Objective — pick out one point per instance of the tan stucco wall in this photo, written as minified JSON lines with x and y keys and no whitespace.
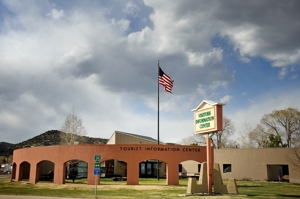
{"x":120,"y":168}
{"x":120,"y":138}
{"x":253,"y":163}
{"x":123,"y":138}
{"x":190,"y":166}
{"x":112,"y":139}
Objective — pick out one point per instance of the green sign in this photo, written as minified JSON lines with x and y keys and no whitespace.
{"x":97,"y":165}
{"x":97,"y":158}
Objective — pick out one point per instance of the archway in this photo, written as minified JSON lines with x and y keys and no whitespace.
{"x":148,"y":169}
{"x":189,"y":168}
{"x":114,"y":168}
{"x":45,"y":171}
{"x":24,"y":171}
{"x":76,"y":171}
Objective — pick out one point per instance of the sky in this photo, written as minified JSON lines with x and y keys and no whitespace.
{"x":101,"y":58}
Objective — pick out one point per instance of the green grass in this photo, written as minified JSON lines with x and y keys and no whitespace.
{"x":269,"y":189}
{"x":148,"y":188}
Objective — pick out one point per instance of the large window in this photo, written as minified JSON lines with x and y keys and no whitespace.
{"x":148,"y":169}
{"x":226,"y":168}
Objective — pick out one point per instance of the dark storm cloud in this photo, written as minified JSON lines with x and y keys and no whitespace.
{"x":275,"y":24}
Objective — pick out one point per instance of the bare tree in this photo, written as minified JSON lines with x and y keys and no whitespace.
{"x":72,"y":131}
{"x":281,"y":128}
{"x":294,"y":157}
{"x":191,"y":140}
{"x":221,"y":139}
{"x":247,"y":137}
{"x":283,"y":124}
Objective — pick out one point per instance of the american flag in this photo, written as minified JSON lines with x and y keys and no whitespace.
{"x":165,"y":81}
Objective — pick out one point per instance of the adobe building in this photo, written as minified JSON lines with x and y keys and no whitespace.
{"x":147,"y":168}
{"x":260,"y":164}
{"x":135,"y":156}
{"x":129,"y":155}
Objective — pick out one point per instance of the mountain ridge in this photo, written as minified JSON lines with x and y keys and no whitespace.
{"x":48,"y":138}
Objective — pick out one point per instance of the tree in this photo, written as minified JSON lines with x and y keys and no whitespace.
{"x":274,"y":141}
{"x":72,"y":131}
{"x":218,"y":140}
{"x":221,"y":138}
{"x":294,"y":157}
{"x":247,"y":137}
{"x":258,"y":138}
{"x":192,"y":140}
{"x":283,"y":124}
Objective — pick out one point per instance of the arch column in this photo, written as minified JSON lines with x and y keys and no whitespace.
{"x":59,"y":173}
{"x":132,"y":173}
{"x":18,"y":170}
{"x":33,"y":173}
{"x":91,"y":177}
{"x":172,"y":174}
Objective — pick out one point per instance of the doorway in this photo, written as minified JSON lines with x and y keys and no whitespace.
{"x":148,"y":169}
{"x":273,"y":170}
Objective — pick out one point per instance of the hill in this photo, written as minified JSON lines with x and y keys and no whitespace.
{"x":48,"y":138}
{"x":4,"y":145}
{"x":6,"y":149}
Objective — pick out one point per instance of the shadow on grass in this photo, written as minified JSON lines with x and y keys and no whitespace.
{"x":247,"y":186}
{"x":288,"y":196}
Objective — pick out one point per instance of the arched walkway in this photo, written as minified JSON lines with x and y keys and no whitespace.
{"x":132,"y":154}
{"x":24,"y":171}
{"x":45,"y":171}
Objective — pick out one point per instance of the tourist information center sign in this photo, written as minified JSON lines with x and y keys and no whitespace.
{"x":208,"y":117}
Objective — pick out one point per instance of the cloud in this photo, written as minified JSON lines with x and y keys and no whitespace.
{"x":131,"y":8}
{"x":283,"y":72}
{"x":267,"y":29}
{"x":56,"y":14}
{"x":272,"y":100}
{"x":226,"y":99}
{"x":101,"y":59}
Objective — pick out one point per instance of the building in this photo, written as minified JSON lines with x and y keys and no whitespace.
{"x":147,"y":168}
{"x":260,"y":164}
{"x":136,"y":156}
{"x":256,"y":164}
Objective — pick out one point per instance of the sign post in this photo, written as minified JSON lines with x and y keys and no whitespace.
{"x":97,"y":158}
{"x":208,"y":118}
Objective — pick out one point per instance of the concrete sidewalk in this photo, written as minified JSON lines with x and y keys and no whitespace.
{"x":32,"y":197}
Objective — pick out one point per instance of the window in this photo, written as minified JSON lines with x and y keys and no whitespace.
{"x":226,"y":168}
{"x":199,"y":167}
{"x":180,"y":167}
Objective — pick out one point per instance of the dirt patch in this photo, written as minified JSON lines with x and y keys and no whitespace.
{"x":105,"y":187}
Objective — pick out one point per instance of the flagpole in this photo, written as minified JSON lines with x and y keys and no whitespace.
{"x":157,"y":115}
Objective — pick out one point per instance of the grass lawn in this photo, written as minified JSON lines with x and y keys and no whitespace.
{"x":148,"y":188}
